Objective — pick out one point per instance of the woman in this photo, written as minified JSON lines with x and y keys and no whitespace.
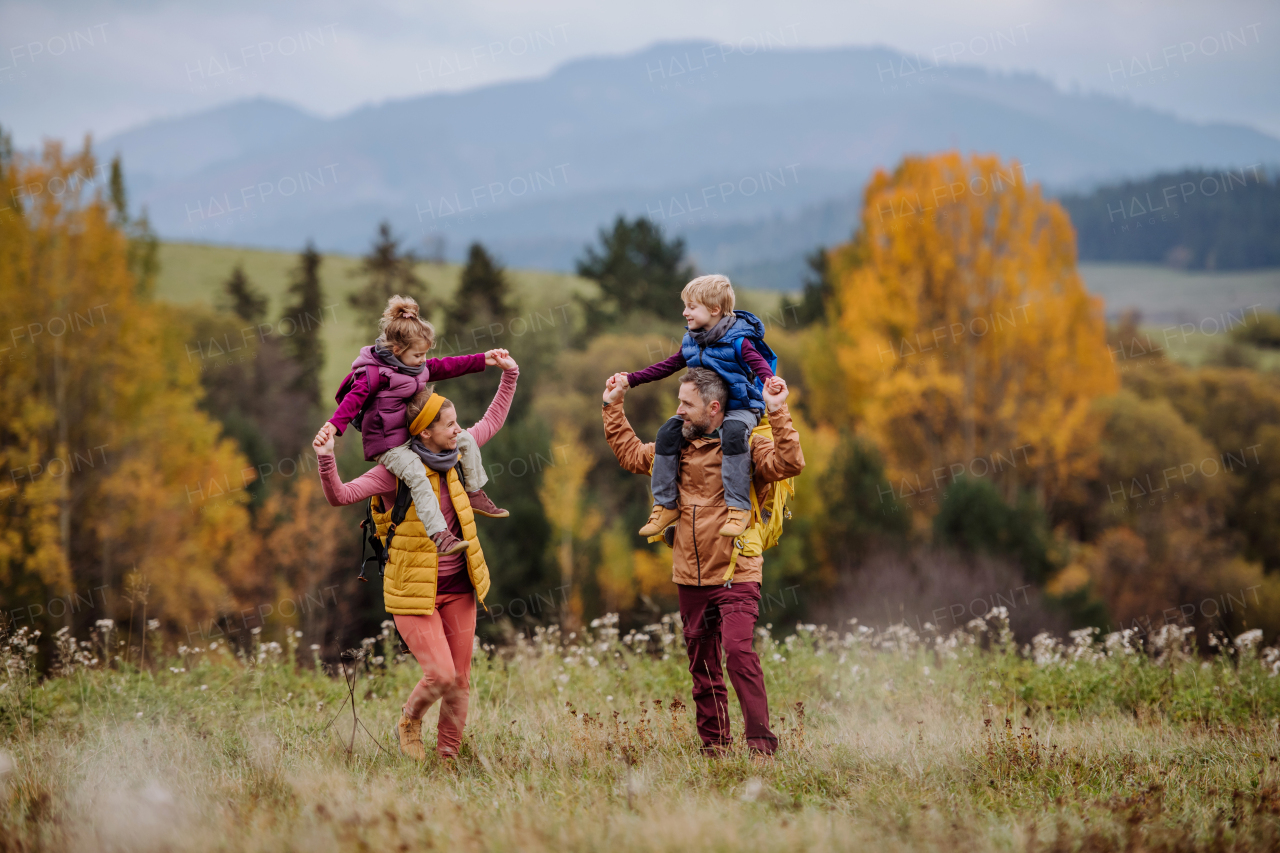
{"x":432,"y":597}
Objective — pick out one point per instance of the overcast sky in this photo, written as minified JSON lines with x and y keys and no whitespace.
{"x":73,"y":67}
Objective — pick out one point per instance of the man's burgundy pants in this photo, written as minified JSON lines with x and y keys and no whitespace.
{"x":715,"y":618}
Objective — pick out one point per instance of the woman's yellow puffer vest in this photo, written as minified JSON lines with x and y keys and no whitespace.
{"x":409,"y":586}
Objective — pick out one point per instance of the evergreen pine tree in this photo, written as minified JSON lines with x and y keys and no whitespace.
{"x":482,"y":297}
{"x":638,"y":270}
{"x":481,"y":304}
{"x":241,"y":298}
{"x":306,"y":313}
{"x":119,"y":198}
{"x":389,"y":271}
{"x":812,"y":307}
{"x":144,"y":246}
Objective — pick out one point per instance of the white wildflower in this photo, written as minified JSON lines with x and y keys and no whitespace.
{"x":1249,"y":639}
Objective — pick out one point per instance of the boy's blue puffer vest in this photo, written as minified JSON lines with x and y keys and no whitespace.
{"x":725,"y":358}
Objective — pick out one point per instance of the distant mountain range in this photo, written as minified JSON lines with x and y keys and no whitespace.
{"x":754,"y":159}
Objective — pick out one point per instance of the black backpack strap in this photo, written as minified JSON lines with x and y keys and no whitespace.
{"x":369,"y":537}
{"x":462,"y":477}
{"x":404,"y":499}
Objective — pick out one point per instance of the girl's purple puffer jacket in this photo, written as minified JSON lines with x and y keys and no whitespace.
{"x":385,"y":424}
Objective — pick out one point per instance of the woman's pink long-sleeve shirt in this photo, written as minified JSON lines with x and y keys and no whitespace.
{"x":380,"y":481}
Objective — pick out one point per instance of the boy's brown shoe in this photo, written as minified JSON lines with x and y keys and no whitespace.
{"x":659,"y":520}
{"x":409,"y":734}
{"x":447,"y":543}
{"x":481,"y":505}
{"x":737,"y":522}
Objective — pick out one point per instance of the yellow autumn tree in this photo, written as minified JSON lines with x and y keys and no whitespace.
{"x":101,"y":436}
{"x":964,"y":337}
{"x":299,"y":542}
{"x":563,"y":496}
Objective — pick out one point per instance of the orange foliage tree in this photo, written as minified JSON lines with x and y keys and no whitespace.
{"x":964,"y":337}
{"x":101,"y":438}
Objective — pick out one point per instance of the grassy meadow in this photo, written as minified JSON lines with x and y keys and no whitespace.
{"x":586,"y":742}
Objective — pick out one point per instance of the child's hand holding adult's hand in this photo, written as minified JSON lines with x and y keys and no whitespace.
{"x":323,"y":442}
{"x":776,"y":393}
{"x":491,"y":357}
{"x":614,"y":390}
{"x":505,"y":361}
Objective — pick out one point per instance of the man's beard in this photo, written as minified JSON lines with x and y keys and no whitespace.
{"x":693,"y":429}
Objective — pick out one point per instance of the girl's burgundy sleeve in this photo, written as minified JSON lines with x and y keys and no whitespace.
{"x":661,"y":370}
{"x":351,"y":403}
{"x":756,"y":361}
{"x":454,"y":365}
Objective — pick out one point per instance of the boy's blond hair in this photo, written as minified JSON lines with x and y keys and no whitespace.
{"x":712,"y":291}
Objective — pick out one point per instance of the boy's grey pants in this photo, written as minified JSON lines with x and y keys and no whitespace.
{"x":735,"y":467}
{"x":408,"y":466}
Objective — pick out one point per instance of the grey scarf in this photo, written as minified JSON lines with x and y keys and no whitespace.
{"x":707,"y":337}
{"x":438,"y":462}
{"x":388,"y":358}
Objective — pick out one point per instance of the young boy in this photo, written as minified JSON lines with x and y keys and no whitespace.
{"x":732,"y":344}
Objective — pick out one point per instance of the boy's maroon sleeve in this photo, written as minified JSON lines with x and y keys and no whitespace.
{"x":756,"y":361}
{"x":351,"y":403}
{"x":661,"y":370}
{"x":454,"y":365}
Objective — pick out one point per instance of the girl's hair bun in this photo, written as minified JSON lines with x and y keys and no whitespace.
{"x":401,"y":306}
{"x":401,"y":324}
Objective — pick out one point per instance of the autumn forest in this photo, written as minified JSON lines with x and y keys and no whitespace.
{"x":977,"y":433}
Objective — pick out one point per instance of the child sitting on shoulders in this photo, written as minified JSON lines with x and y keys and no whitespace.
{"x":732,"y":344}
{"x":375,"y":395}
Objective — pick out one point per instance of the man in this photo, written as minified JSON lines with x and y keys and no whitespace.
{"x":716,"y":614}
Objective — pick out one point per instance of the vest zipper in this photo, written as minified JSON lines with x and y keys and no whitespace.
{"x":696,"y":559}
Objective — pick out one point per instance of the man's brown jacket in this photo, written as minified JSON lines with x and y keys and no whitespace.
{"x":701,"y":553}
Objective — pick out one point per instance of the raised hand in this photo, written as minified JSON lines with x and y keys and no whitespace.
{"x":324,"y":442}
{"x":615,"y":389}
{"x":776,"y":393}
{"x":491,"y":358}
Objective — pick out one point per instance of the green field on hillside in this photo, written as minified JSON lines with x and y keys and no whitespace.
{"x":1167,"y":298}
{"x":1186,"y":316}
{"x":196,"y":273}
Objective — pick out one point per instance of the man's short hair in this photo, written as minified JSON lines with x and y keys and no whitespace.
{"x":708,"y":384}
{"x":712,"y":291}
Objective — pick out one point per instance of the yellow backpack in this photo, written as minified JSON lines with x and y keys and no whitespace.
{"x":766,"y":521}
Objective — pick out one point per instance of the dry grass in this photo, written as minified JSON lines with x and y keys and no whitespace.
{"x":892,"y":741}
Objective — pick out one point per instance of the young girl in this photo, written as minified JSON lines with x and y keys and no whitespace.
{"x":393,"y":370}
